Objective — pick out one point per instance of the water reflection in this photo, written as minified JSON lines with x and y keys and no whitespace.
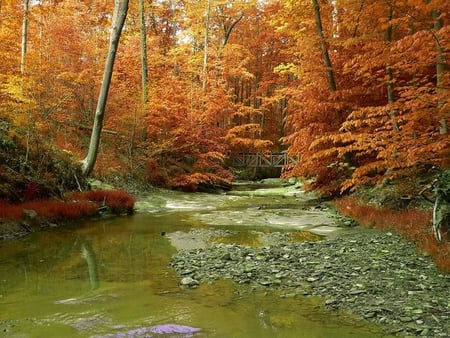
{"x":88,"y":254}
{"x":121,"y":282}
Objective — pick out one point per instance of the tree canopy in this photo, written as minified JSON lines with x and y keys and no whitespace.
{"x":358,"y":89}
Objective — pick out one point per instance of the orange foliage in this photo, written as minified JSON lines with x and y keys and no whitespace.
{"x":265,"y":87}
{"x":414,"y":225}
{"x":356,"y":135}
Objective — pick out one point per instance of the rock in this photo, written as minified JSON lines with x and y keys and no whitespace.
{"x":29,"y":214}
{"x":374,"y":274}
{"x":99,"y":185}
{"x":189,"y":282}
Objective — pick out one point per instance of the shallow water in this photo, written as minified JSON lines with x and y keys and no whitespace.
{"x":107,"y":277}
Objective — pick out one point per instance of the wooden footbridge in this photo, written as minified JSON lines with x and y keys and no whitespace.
{"x":262,"y":160}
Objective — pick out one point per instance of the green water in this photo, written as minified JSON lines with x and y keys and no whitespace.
{"x":110,"y":276}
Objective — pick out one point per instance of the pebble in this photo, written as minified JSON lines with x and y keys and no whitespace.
{"x":376,"y":275}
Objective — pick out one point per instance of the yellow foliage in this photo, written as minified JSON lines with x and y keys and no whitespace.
{"x":286,"y":69}
{"x":17,"y":88}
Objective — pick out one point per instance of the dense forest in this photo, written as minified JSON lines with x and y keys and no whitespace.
{"x":359,"y":90}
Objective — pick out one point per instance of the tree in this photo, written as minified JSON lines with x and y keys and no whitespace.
{"x":143,"y":52}
{"x":121,"y":11}
{"x":205,"y":45}
{"x":26,"y":5}
{"x":323,"y":46}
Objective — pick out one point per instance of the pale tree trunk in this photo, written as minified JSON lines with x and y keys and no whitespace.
{"x":389,"y":76}
{"x":144,"y":80}
{"x":26,"y":9}
{"x":89,"y":255}
{"x":172,"y":19}
{"x":323,"y":45}
{"x":205,"y":45}
{"x":143,"y":52}
{"x":440,"y":66}
{"x":119,"y":19}
{"x":335,"y":18}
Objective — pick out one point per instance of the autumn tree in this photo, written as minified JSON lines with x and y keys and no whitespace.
{"x":120,"y":14}
{"x":383,"y":120}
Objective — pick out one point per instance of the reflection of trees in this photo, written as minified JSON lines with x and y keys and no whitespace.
{"x":54,"y":258}
{"x":89,"y":255}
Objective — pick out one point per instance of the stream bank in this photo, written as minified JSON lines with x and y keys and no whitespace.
{"x":375,"y":275}
{"x":258,"y":247}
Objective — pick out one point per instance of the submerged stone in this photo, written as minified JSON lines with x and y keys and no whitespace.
{"x":190,"y":282}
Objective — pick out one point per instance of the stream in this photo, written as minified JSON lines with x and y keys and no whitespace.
{"x":112,"y":277}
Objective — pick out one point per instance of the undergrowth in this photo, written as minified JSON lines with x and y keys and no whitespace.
{"x":75,"y":206}
{"x":413,"y":224}
{"x":117,"y":201}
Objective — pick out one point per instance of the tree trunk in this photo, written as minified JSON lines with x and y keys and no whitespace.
{"x":440,"y":67}
{"x":335,"y":18}
{"x":26,"y":5}
{"x":389,"y":76}
{"x":205,"y":46}
{"x":89,"y":255}
{"x":118,"y":23}
{"x":143,"y":52}
{"x":0,"y":13}
{"x":323,"y":45}
{"x":355,"y":29}
{"x":228,"y":29}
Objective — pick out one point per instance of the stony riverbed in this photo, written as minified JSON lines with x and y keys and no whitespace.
{"x":374,"y":275}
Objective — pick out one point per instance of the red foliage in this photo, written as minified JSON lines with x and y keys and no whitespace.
{"x":53,"y":210}
{"x":414,"y":225}
{"x":78,"y":205}
{"x":388,"y":112}
{"x":116,"y":200}
{"x":10,"y":211}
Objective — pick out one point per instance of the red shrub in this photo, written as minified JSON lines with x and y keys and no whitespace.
{"x":10,"y":211}
{"x":117,"y":200}
{"x":53,"y":210}
{"x":413,"y":224}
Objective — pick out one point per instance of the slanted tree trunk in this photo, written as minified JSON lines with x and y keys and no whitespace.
{"x":323,"y":45}
{"x":228,"y":29}
{"x":88,"y":163}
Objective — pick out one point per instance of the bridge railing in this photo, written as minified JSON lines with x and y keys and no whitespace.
{"x":261,"y":160}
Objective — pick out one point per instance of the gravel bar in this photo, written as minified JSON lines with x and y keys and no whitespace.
{"x":375,"y":275}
